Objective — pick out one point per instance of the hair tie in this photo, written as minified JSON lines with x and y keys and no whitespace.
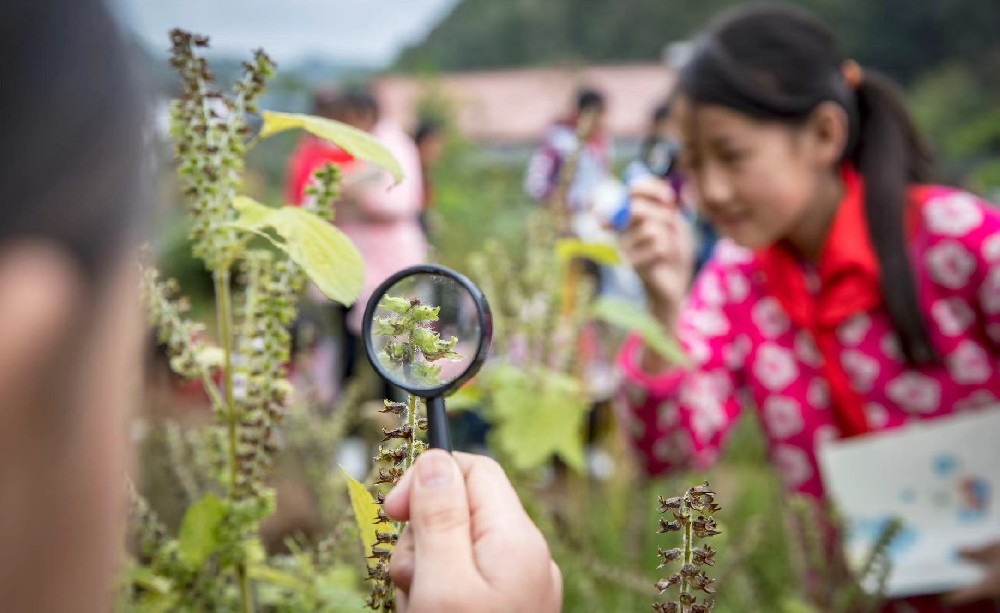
{"x":853,"y":74}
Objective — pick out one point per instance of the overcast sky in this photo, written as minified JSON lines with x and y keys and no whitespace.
{"x":365,"y":31}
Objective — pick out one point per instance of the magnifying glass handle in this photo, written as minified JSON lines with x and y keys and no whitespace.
{"x":438,"y":432}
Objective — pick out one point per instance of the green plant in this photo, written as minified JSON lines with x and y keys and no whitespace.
{"x":412,"y":347}
{"x":259,"y":258}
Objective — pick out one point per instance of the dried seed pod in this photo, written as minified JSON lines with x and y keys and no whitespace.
{"x":668,"y":555}
{"x":669,"y":503}
{"x":396,"y":408}
{"x":665,"y":584}
{"x":704,"y":527}
{"x":403,"y":432}
{"x":703,"y":556}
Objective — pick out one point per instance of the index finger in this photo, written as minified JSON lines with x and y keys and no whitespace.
{"x":489,"y":491}
{"x":653,"y":189}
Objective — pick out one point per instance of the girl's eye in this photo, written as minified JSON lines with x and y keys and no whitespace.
{"x":732,"y":156}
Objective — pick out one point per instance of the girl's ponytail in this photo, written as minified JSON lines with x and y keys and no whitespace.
{"x":889,"y":154}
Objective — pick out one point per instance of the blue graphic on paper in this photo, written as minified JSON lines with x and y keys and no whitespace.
{"x":945,"y":465}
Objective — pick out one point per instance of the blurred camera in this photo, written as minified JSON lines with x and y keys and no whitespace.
{"x":660,"y":156}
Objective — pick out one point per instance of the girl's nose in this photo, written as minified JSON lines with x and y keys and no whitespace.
{"x":714,"y":188}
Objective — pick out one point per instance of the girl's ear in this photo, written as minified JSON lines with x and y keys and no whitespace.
{"x":39,"y":290}
{"x":827,"y":130}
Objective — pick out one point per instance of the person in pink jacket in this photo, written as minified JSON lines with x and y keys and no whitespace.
{"x":383,"y":218}
{"x":849,"y":295}
{"x":380,"y":217}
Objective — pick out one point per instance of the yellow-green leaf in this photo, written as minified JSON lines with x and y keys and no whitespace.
{"x":358,"y":143}
{"x":365,"y":514}
{"x":468,"y":397}
{"x":602,"y":253}
{"x":147,"y":579}
{"x":274,"y":576}
{"x":325,"y":253}
{"x":198,"y":538}
{"x":629,"y":317}
{"x":537,"y":415}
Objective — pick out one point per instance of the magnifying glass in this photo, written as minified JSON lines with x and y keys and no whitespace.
{"x":427,"y":330}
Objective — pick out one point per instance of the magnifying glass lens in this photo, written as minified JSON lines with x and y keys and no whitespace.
{"x":425,"y":331}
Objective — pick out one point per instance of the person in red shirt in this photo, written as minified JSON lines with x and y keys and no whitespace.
{"x":356,"y":108}
{"x":380,"y":216}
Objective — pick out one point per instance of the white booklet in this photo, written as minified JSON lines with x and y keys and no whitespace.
{"x":941,"y":478}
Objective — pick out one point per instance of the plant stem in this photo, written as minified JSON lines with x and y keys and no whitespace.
{"x":241,"y":573}
{"x":688,"y":538}
{"x":224,"y":310}
{"x":411,"y":420}
{"x":224,"y":313}
{"x":218,"y":404}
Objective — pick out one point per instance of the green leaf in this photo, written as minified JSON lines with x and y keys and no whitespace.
{"x":358,"y":143}
{"x":198,"y":537}
{"x":625,"y":315}
{"x":325,"y":253}
{"x":365,"y":513}
{"x":147,"y":579}
{"x":153,"y":602}
{"x":538,"y":415}
{"x":602,"y":253}
{"x":468,"y":397}
{"x":274,"y":576}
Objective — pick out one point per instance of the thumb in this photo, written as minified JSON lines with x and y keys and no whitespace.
{"x":439,"y":517}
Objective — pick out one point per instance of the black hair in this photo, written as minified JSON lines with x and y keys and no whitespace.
{"x":335,"y":102}
{"x":426,"y":129}
{"x":589,"y":99}
{"x":360,"y":99}
{"x":778,"y":63}
{"x":71,"y":156}
{"x":661,"y":112}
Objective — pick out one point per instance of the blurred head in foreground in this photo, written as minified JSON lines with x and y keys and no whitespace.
{"x":71,"y":161}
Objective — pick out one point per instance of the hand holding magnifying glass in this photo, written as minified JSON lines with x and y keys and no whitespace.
{"x":427,"y":330}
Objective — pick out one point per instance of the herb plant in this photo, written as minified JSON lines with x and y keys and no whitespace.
{"x":260,"y":259}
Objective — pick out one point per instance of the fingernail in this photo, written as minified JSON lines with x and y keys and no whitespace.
{"x":435,"y":469}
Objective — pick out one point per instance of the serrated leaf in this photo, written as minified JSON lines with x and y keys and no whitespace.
{"x":198,"y":538}
{"x":538,"y":415}
{"x":602,"y":253}
{"x":357,"y":142}
{"x":325,"y":253}
{"x":365,"y":513}
{"x":629,"y":317}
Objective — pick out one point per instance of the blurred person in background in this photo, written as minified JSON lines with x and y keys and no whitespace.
{"x":72,"y":189}
{"x":430,"y":140}
{"x":381,"y":219}
{"x":355,"y":107}
{"x":560,"y":143}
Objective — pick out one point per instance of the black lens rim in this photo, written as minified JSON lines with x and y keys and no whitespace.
{"x":485,"y":321}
